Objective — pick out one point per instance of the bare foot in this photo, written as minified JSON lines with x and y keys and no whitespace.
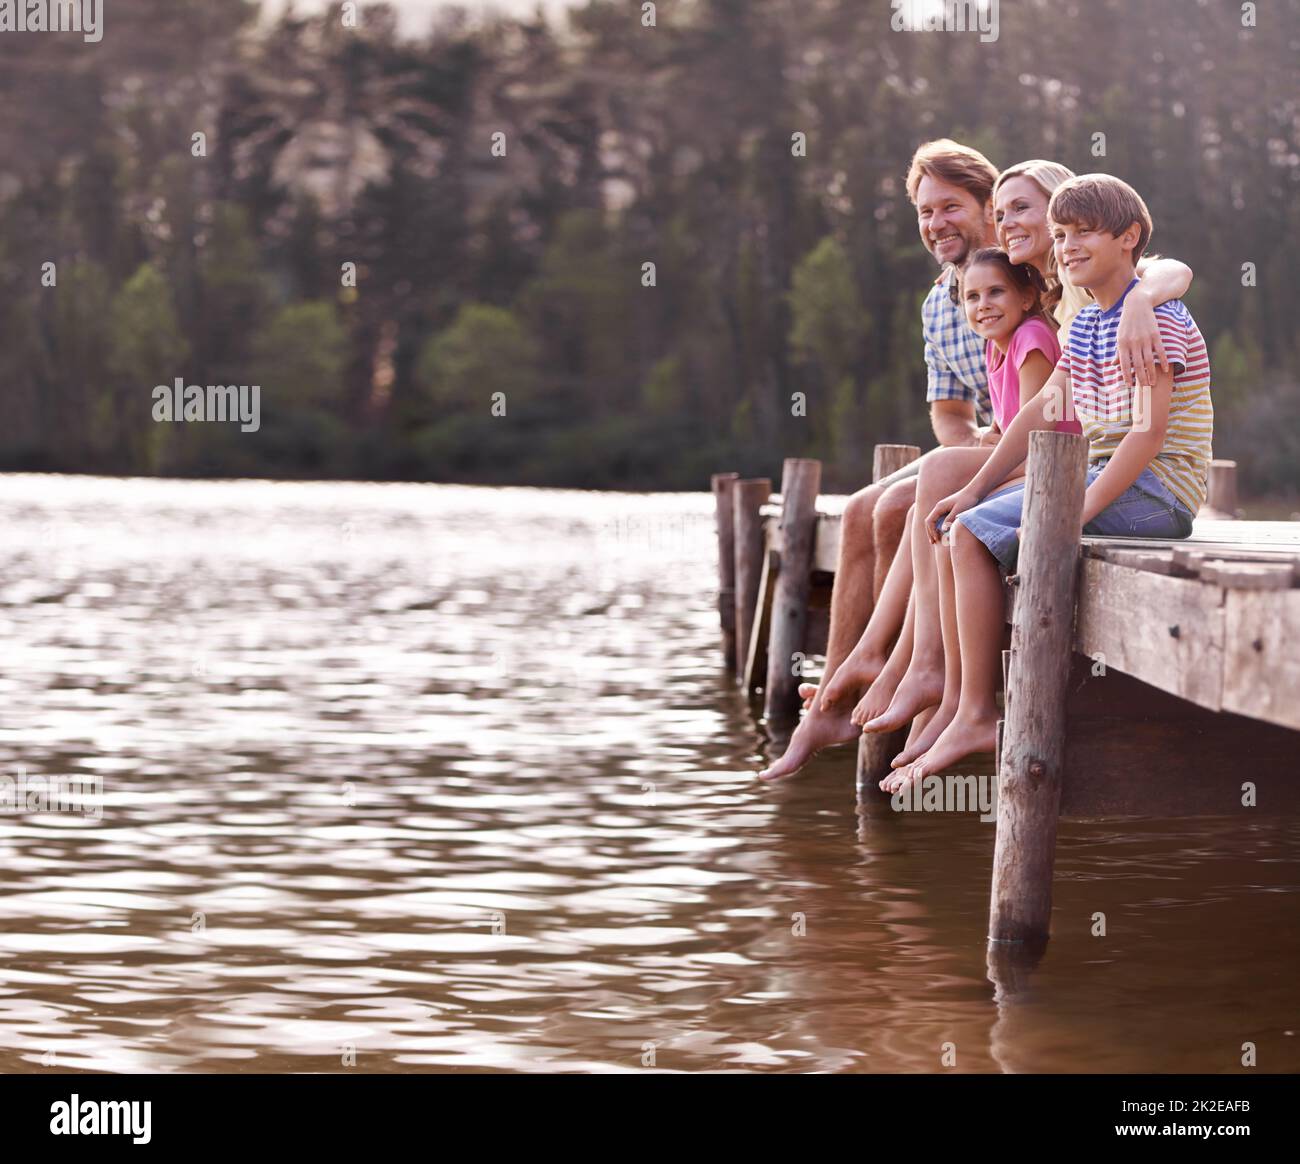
{"x":920,"y":688}
{"x":816,"y":730}
{"x":922,"y":738}
{"x":853,"y":676}
{"x":877,"y":696}
{"x":963,"y":737}
{"x":807,"y":692}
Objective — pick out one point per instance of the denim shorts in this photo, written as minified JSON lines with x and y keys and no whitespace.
{"x":1146,"y":509}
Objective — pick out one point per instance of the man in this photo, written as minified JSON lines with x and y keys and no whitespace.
{"x":951,"y":187}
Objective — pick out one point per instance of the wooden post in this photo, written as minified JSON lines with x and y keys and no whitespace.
{"x":1033,"y":739}
{"x":800,"y":482}
{"x":724,"y":515}
{"x":890,"y":458}
{"x":755,"y":673}
{"x":876,"y":749}
{"x":1222,"y":493}
{"x":748,"y":497}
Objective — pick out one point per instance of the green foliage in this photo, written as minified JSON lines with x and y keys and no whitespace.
{"x":146,"y":348}
{"x":78,"y":341}
{"x":300,"y":357}
{"x":664,"y":392}
{"x":146,"y":339}
{"x":829,"y":326}
{"x":233,"y":291}
{"x":485,"y":351}
{"x":521,"y":272}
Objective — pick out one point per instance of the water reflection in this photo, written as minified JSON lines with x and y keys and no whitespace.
{"x":432,"y":778}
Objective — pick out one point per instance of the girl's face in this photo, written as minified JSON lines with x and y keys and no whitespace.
{"x":1020,"y":217}
{"x":994,"y":306}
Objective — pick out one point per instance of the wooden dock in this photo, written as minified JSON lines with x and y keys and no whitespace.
{"x":1172,"y":690}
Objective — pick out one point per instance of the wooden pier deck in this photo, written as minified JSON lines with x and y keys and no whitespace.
{"x":1218,"y":593}
{"x":1176,"y":683}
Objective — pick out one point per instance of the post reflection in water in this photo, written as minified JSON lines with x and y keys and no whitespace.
{"x":433,"y":778}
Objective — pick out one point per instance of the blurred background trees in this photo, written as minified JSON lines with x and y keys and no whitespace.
{"x":501,"y":188}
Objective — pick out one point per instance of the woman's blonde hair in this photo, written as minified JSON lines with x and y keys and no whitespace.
{"x":1063,"y":299}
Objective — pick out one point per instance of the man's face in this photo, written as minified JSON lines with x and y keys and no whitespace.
{"x":951,"y":220}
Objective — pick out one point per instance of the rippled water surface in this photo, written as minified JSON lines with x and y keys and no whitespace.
{"x":435,"y":778}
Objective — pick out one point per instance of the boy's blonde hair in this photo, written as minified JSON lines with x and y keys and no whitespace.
{"x":951,"y":162}
{"x":1063,"y":299}
{"x":1102,"y":202}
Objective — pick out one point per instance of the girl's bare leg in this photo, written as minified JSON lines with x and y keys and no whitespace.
{"x":881,"y":691}
{"x":921,"y":741}
{"x":943,"y":472}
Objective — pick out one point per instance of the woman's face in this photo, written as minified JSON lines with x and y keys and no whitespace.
{"x":1020,"y":217}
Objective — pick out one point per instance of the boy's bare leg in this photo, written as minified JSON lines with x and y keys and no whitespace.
{"x":925,"y":739}
{"x":851,"y":606}
{"x":945,"y":471}
{"x":979,"y":629}
{"x":869,"y":655}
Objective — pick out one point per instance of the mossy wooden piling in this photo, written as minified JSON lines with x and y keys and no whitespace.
{"x":724,"y":509}
{"x":877,"y":749}
{"x":797,"y":529}
{"x":1033,"y":735}
{"x":749,"y":497}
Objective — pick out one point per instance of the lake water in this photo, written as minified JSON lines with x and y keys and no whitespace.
{"x":417,"y":778}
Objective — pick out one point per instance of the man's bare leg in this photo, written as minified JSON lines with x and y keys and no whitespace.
{"x":923,"y":685}
{"x":892,"y":513}
{"x":851,"y":606}
{"x":868,"y":659}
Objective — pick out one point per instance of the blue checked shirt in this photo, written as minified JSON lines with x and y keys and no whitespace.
{"x":954,"y":355}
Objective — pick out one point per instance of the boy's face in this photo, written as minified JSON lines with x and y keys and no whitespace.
{"x":951,"y":220}
{"x":1089,"y":257}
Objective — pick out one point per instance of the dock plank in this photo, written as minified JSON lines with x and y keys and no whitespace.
{"x":1249,"y":575}
{"x":826,"y":545}
{"x":1261,"y":665}
{"x":1168,"y":632}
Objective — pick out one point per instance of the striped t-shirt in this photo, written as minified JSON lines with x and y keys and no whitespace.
{"x":1105,"y":406}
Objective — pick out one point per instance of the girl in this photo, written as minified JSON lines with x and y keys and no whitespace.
{"x":1005,"y":306}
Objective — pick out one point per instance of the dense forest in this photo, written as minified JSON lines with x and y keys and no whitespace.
{"x":434,"y":255}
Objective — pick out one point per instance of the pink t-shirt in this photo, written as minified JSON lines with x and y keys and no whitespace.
{"x":1033,"y":335}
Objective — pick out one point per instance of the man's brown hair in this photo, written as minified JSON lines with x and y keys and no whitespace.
{"x":1101,"y":202}
{"x":948,"y":161}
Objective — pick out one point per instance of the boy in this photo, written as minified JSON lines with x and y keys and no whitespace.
{"x":1148,"y":451}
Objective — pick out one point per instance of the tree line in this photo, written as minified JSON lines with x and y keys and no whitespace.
{"x":602,"y":254}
